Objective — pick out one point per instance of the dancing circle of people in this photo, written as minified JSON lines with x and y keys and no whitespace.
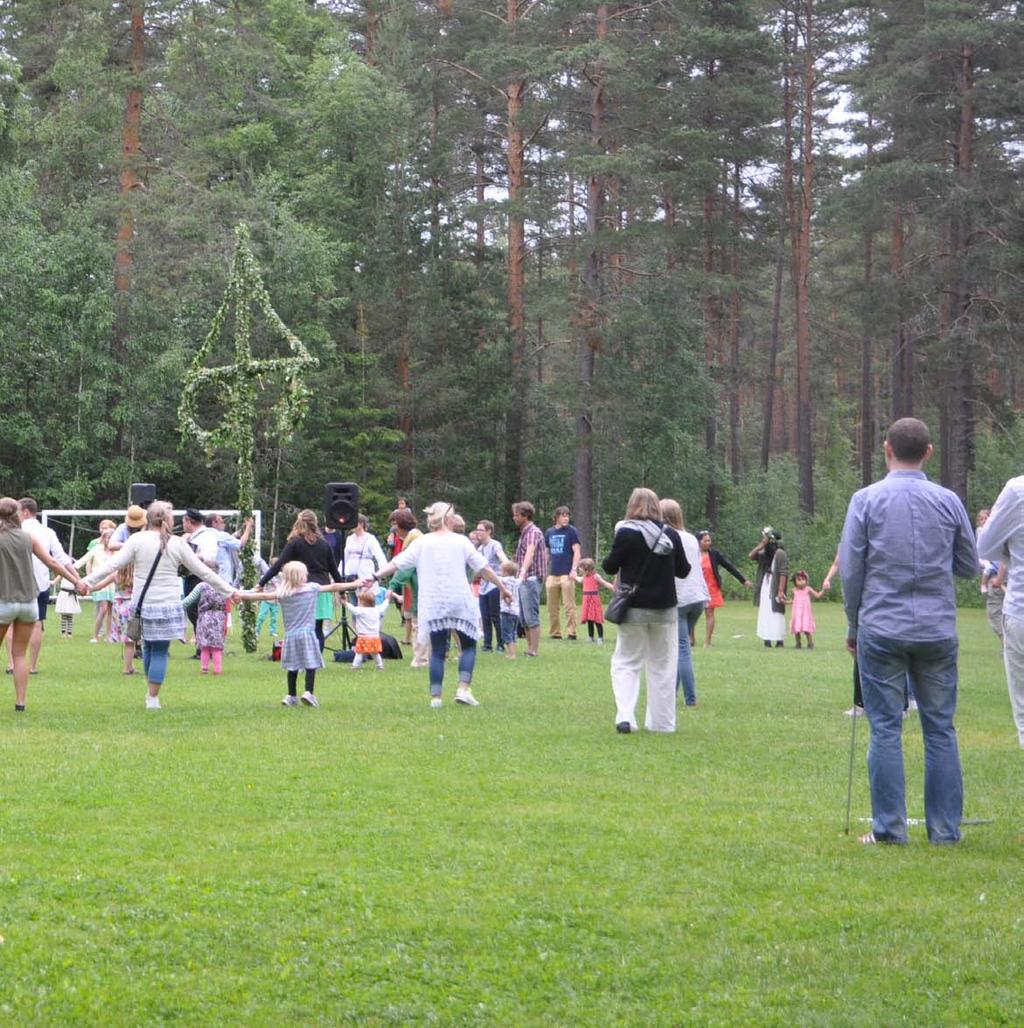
{"x":455,"y":589}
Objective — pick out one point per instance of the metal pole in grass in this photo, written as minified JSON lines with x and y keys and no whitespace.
{"x":853,"y":741}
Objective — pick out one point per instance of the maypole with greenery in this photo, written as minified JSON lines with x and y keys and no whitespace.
{"x":237,"y":386}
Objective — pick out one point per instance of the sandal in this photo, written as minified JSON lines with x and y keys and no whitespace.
{"x":130,"y":671}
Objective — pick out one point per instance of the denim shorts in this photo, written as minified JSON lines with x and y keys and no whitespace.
{"x":529,"y":602}
{"x":10,"y":612}
{"x":509,"y":628}
{"x":44,"y":605}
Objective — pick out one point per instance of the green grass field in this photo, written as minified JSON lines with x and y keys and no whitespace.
{"x":229,"y":861}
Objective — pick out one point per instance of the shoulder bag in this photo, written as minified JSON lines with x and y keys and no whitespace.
{"x":618,"y":605}
{"x":133,"y":627}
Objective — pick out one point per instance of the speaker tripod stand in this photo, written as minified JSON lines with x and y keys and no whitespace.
{"x":347,"y":637}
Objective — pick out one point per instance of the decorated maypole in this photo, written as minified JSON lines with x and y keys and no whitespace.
{"x":235,"y":388}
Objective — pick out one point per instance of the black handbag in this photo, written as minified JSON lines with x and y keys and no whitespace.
{"x":618,"y":605}
{"x":133,"y":626}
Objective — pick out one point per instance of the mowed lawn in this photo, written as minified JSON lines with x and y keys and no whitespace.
{"x":230,"y":861}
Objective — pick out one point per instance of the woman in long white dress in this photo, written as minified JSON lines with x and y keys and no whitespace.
{"x":770,"y":587}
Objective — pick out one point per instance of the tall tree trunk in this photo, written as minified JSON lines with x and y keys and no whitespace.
{"x":804,"y":442}
{"x":514,"y":158}
{"x":902,"y":352}
{"x":787,"y":431}
{"x":480,"y":182}
{"x":129,"y":182}
{"x":867,"y":361}
{"x":771,"y":385}
{"x":589,"y":316}
{"x":961,"y":392}
{"x":709,"y":305}
{"x":734,"y":332}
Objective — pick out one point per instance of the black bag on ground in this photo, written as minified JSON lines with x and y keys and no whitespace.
{"x":390,"y":650}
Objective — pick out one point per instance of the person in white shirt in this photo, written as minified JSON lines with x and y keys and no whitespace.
{"x":445,"y":600}
{"x":213,"y":542}
{"x":156,"y":555}
{"x":1002,"y":534}
{"x":27,"y":511}
{"x":363,"y":555}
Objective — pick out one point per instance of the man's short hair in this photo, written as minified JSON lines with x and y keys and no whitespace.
{"x":488,"y":525}
{"x":524,"y":509}
{"x":27,"y":503}
{"x":909,"y":439}
{"x":559,"y":511}
{"x":210,"y":519}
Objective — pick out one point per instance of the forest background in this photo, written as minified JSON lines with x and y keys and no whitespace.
{"x":541,"y":249}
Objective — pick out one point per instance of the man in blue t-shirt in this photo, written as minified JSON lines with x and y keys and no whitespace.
{"x":564,"y":547}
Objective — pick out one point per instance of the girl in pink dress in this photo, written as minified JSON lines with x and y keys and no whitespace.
{"x":801,"y":617}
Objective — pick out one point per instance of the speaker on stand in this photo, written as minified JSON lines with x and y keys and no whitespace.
{"x":341,"y":511}
{"x":142,"y":494}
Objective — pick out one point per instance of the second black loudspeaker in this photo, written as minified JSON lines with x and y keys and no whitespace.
{"x":341,"y":505}
{"x":142,"y":493}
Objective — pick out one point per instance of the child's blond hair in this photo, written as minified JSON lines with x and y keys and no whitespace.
{"x":509,"y":567}
{"x":294,"y":576}
{"x":586,"y":566}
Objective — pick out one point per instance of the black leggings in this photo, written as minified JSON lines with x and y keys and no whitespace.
{"x":293,"y":681}
{"x":319,"y":630}
{"x":591,"y":625}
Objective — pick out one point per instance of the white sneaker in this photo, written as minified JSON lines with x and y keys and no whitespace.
{"x":466,"y":698}
{"x":435,"y":701}
{"x":290,"y":701}
{"x":152,"y":703}
{"x":854,"y":712}
{"x":309,"y":699}
{"x":93,"y":640}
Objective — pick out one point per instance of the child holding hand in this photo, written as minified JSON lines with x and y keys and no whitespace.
{"x":592,"y":613}
{"x":301,"y":650}
{"x":211,"y":624}
{"x":801,"y":617}
{"x":508,"y":613}
{"x":366,"y":619}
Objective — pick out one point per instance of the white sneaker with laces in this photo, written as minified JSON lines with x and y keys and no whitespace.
{"x":290,"y":701}
{"x":435,"y":701}
{"x":466,"y":697}
{"x":309,"y":699}
{"x":152,"y":703}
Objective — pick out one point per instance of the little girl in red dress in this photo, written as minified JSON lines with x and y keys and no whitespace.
{"x":801,"y":617}
{"x":592,"y":613}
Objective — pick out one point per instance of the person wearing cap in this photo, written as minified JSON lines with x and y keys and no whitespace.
{"x":445,"y":601}
{"x":134,"y":520}
{"x":770,"y":587}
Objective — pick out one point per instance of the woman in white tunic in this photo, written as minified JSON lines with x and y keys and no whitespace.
{"x":445,"y":599}
{"x":770,"y":587}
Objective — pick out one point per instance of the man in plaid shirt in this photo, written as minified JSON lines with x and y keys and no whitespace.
{"x":532,"y":558}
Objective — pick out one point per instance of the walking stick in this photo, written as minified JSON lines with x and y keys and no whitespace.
{"x":853,"y":742}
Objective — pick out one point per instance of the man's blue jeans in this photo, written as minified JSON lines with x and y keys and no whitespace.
{"x":885,"y":667}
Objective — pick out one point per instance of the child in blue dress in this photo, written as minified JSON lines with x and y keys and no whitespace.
{"x":301,"y":650}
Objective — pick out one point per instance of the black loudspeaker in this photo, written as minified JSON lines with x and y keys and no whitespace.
{"x":341,"y":505}
{"x":142,"y":493}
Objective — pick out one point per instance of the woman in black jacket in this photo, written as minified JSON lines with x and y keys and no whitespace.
{"x":307,"y":545}
{"x":648,"y":557}
{"x":711,"y":561}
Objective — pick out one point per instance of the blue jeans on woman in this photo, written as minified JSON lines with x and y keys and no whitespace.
{"x":886,"y":664}
{"x":689,"y":615}
{"x":439,"y":647}
{"x":154,"y":660}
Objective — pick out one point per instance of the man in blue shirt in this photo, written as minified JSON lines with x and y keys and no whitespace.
{"x":563,"y":545}
{"x":903,"y":540}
